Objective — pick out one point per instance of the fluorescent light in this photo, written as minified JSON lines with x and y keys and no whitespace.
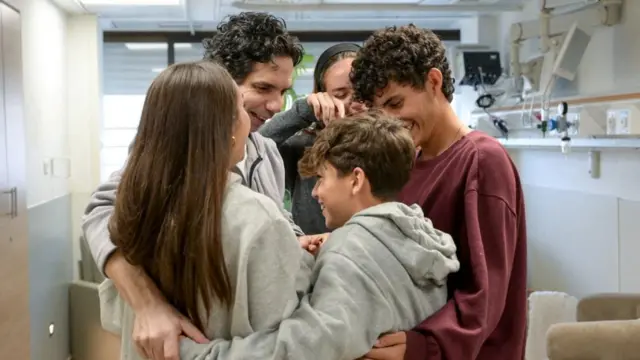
{"x":155,"y":46}
{"x":131,"y":2}
{"x":157,"y":70}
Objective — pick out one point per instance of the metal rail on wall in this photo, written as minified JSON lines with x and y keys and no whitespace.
{"x":303,"y":36}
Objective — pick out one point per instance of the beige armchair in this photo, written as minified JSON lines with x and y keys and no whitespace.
{"x":89,"y":341}
{"x":608,"y":328}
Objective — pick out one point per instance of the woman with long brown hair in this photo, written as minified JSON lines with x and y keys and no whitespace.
{"x":222,"y":254}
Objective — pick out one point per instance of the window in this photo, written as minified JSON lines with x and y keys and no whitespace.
{"x":188,"y":52}
{"x":129,"y":69}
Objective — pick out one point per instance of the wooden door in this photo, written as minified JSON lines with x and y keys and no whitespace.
{"x":14,"y":248}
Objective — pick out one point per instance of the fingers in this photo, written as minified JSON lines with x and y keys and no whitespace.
{"x":378,"y":354}
{"x":396,"y":352}
{"x":326,"y":108}
{"x":156,"y":348}
{"x":312,"y":249}
{"x":314,"y":102}
{"x":171,"y":349}
{"x":141,"y":348}
{"x":305,"y":241}
{"x":392,"y":339}
{"x":142,"y":344}
{"x":192,"y":332}
{"x":340,"y":107}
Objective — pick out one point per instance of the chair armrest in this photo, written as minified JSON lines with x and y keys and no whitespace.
{"x":88,"y":340}
{"x":604,"y":307}
{"x":598,"y":340}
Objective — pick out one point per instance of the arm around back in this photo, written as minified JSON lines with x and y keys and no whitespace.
{"x":96,"y":217}
{"x":341,"y":319}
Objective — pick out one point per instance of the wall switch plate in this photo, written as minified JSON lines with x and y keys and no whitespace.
{"x":46,"y":167}
{"x":61,"y":167}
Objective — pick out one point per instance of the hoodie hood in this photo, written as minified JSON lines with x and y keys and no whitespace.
{"x":427,"y":254}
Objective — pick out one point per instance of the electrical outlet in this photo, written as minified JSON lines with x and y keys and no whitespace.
{"x":612,"y":122}
{"x":574,"y":120}
{"x":622,"y":124}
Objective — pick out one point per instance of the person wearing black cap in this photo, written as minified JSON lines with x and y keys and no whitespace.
{"x":295,"y":129}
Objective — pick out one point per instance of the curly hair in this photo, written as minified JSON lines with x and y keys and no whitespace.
{"x":400,"y":54}
{"x":248,"y":38}
{"x":378,"y":144}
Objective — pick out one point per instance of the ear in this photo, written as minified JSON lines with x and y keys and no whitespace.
{"x":358,"y":181}
{"x":433,"y":80}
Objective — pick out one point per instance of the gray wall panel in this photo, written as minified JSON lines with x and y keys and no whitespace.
{"x":50,"y":273}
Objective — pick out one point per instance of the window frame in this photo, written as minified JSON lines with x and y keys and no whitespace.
{"x":172,"y":38}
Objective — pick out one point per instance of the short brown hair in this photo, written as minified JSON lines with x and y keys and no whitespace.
{"x":378,"y":144}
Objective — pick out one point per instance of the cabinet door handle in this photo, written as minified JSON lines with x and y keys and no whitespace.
{"x":13,"y":192}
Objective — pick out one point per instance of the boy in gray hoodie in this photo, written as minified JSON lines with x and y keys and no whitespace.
{"x":383,"y":269}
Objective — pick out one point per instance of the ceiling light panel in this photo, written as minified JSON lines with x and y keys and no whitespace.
{"x":131,"y":2}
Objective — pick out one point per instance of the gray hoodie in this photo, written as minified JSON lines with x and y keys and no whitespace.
{"x":265,"y":174}
{"x":384,"y":271}
{"x":287,"y":130}
{"x":266,"y":265}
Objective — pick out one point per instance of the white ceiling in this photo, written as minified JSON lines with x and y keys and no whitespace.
{"x":310,"y":15}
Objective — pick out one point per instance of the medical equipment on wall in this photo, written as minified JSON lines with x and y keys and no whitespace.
{"x":482,"y":69}
{"x":479,"y":68}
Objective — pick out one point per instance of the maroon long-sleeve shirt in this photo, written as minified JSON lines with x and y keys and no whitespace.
{"x":473,"y":192}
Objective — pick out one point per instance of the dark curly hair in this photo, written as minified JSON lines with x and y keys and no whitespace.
{"x":400,"y":54}
{"x":247,"y":38}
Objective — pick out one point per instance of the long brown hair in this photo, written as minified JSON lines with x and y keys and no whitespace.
{"x":169,"y":203}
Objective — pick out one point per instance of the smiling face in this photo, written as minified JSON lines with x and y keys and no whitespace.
{"x":336,"y":194}
{"x":337,"y":83}
{"x":421,"y":110}
{"x":264,"y":87}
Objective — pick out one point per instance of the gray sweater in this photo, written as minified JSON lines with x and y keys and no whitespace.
{"x":265,"y":174}
{"x":266,"y":265}
{"x":286,"y":129}
{"x":384,"y":271}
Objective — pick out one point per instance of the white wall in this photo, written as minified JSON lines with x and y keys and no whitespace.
{"x":84,"y":84}
{"x":584,"y":234}
{"x":62,"y":106}
{"x":45,"y":96}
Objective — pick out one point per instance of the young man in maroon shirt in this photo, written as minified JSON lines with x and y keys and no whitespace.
{"x":467,"y":185}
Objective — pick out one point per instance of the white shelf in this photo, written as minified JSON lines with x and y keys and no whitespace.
{"x":577,"y":143}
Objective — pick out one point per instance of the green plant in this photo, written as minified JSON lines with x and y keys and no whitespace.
{"x":290,"y":95}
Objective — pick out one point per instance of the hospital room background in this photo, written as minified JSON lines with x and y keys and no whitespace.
{"x":556,"y":81}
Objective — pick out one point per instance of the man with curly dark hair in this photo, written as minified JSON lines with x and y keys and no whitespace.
{"x":466,"y":183}
{"x":260,"y":55}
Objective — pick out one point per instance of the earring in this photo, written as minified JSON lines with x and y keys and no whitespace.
{"x":233,"y":141}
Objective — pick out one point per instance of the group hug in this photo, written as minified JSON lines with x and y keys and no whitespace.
{"x":405,"y":236}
